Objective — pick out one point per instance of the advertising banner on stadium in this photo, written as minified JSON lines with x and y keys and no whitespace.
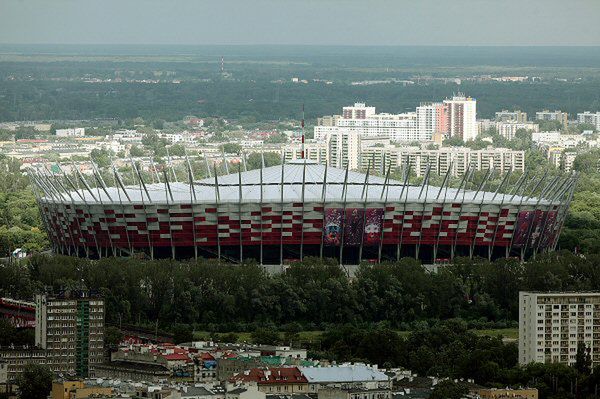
{"x":332,"y":230}
{"x":549,"y":229}
{"x":373,"y":226}
{"x":354,"y":226}
{"x":536,"y":227}
{"x":524,"y":219}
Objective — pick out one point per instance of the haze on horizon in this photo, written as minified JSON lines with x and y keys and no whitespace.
{"x":302,"y":22}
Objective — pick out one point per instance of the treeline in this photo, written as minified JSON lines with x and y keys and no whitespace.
{"x":313,"y":295}
{"x":262,"y":100}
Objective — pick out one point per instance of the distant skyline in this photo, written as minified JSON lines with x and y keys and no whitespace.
{"x":302,"y":22}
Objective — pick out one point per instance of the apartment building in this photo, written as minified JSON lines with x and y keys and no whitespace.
{"x":452,"y":117}
{"x":547,"y":115}
{"x":457,"y":159}
{"x":511,"y":116}
{"x":461,"y":117}
{"x":70,"y":328}
{"x":589,"y":118}
{"x":553,"y":325}
{"x":72,"y":132}
{"x":509,"y":129}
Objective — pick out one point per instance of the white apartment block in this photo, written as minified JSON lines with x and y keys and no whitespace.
{"x":358,"y":111}
{"x":553,"y":325}
{"x":546,"y":115}
{"x":440,"y":160}
{"x":462,"y":117}
{"x":590,"y":118}
{"x":452,"y":117}
{"x":509,"y":130}
{"x":350,"y":150}
{"x":545,"y":137}
{"x":511,"y":116}
{"x":561,"y":159}
{"x":73,"y":132}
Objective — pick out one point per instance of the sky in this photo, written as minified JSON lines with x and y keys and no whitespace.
{"x":304,"y":22}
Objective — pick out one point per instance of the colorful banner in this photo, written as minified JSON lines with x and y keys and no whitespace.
{"x":332,"y":230}
{"x":354,"y":226}
{"x":528,"y":229}
{"x":522,"y":228}
{"x":373,"y":226}
{"x":536,"y":226}
{"x":549,"y":229}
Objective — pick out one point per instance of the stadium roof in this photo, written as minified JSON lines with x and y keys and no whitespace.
{"x":293,"y":173}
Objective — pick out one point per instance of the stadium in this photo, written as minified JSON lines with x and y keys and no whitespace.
{"x":281,"y":214}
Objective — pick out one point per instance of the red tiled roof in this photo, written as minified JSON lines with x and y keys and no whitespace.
{"x":275,"y":375}
{"x":176,"y":356}
{"x":207,"y":356}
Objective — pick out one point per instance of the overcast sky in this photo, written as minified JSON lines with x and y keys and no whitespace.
{"x":332,"y":22}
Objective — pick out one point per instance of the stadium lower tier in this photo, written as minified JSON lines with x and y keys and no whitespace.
{"x":276,"y":233}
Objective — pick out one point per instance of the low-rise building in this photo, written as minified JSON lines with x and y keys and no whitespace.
{"x":78,"y":390}
{"x":506,"y":393}
{"x":71,"y":132}
{"x":281,"y":380}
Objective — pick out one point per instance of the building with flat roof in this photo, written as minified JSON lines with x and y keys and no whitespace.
{"x":511,"y":116}
{"x":70,"y":328}
{"x":547,"y":115}
{"x":553,"y":325}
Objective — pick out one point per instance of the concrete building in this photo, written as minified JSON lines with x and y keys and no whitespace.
{"x":349,"y":376}
{"x":589,"y":118}
{"x":461,"y":117}
{"x":358,"y":111}
{"x":78,"y":390}
{"x":506,"y":393}
{"x":509,"y":130}
{"x":278,"y":380}
{"x":547,"y":115}
{"x":16,"y":358}
{"x":511,"y":116}
{"x":70,"y":328}
{"x":546,"y":137}
{"x":71,"y":132}
{"x":553,"y":325}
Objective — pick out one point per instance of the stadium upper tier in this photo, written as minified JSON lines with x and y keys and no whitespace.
{"x":299,"y":182}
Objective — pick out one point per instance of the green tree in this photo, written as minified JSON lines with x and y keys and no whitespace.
{"x":265,"y":336}
{"x":35,"y":382}
{"x":448,"y":389}
{"x":583,"y":359}
{"x":231,"y":148}
{"x":182,"y":333}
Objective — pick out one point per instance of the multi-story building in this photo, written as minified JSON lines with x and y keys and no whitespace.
{"x":17,"y":358}
{"x":562,"y":158}
{"x":70,"y":328}
{"x":509,"y":130}
{"x":546,"y":115}
{"x":462,"y":118}
{"x":353,"y":152}
{"x":358,"y":111}
{"x":511,"y":116}
{"x":72,"y":132}
{"x":552,"y":326}
{"x":589,"y":118}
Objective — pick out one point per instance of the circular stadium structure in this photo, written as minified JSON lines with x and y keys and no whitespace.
{"x":281,"y":214}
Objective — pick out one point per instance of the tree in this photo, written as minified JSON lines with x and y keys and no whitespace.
{"x":265,"y":336}
{"x":177,"y":150}
{"x":583,"y":359}
{"x":454,"y":142}
{"x":182,"y":333}
{"x":112,"y":338}
{"x":35,"y":382}
{"x":448,"y":389}
{"x":136,"y":151}
{"x":231,"y":148}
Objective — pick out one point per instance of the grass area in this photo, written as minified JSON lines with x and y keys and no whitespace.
{"x":508,"y":333}
{"x":312,"y":336}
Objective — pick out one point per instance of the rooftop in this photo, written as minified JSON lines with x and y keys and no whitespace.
{"x":266,"y":183}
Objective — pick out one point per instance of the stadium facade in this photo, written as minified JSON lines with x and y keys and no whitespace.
{"x":284,"y":213}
